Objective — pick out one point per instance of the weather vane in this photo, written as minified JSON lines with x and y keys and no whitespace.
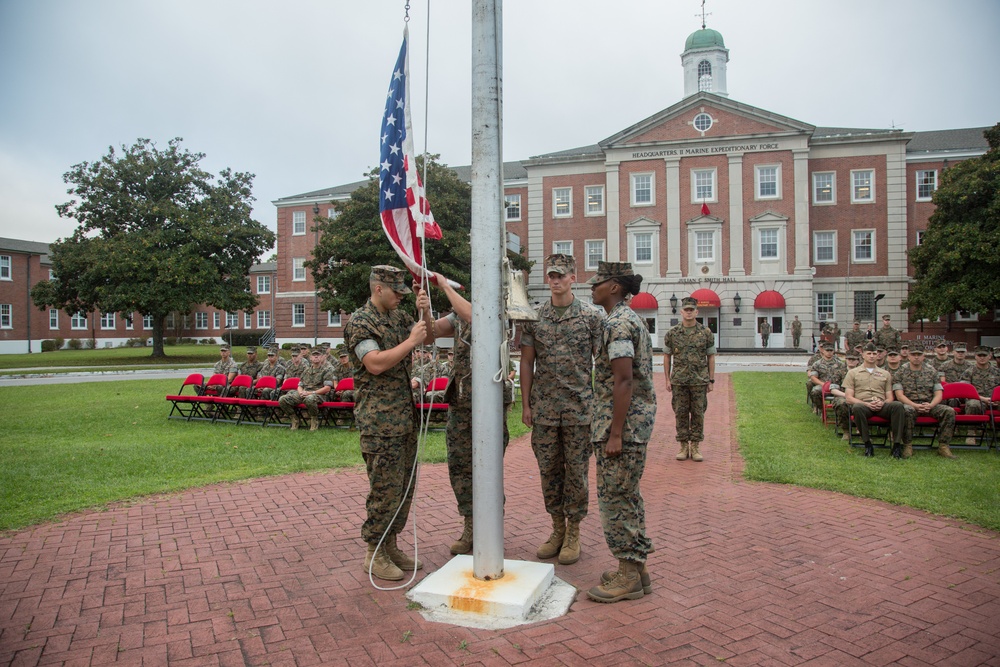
{"x":703,"y":14}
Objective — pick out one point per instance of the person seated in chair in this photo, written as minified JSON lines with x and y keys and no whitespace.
{"x":918,"y":388}
{"x":316,"y":382}
{"x":342,"y":371}
{"x":985,"y":377}
{"x":828,"y":369}
{"x":225,"y":366}
{"x":840,"y":399}
{"x":869,"y":393}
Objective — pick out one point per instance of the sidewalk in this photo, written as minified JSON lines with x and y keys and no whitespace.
{"x":269,"y":572}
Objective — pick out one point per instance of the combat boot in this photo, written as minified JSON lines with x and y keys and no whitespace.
{"x":647,"y":584}
{"x":295,"y":422}
{"x":945,"y":451}
{"x":380,"y":565}
{"x":463,"y":544}
{"x":907,"y":451}
{"x":570,"y":552}
{"x":553,"y":545}
{"x":684,"y":453}
{"x":626,"y":584}
{"x":314,"y":423}
{"x":398,"y":558}
{"x":695,"y":454}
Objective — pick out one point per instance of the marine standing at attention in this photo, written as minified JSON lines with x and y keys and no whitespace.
{"x":689,"y":365}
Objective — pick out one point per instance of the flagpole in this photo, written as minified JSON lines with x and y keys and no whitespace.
{"x":487,"y":302}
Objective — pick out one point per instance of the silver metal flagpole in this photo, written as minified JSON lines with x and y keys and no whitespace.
{"x":487,"y":301}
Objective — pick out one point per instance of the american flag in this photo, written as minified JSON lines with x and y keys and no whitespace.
{"x":401,"y":200}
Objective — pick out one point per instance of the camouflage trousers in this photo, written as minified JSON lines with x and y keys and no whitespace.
{"x":942,"y":413}
{"x":563,"y":455}
{"x":690,"y":401}
{"x":389,"y":462}
{"x":843,"y":414}
{"x":796,"y":338}
{"x":293,"y":398}
{"x":623,"y":513}
{"x":458,"y":437}
{"x":764,"y":338}
{"x":974,"y":407}
{"x":345,"y":396}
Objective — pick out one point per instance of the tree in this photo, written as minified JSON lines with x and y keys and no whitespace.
{"x":156,"y":235}
{"x":957,"y":267}
{"x":353,"y":242}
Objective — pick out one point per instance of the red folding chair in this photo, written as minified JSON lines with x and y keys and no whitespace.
{"x":187,"y":406}
{"x":275,"y":415}
{"x":339,"y":413}
{"x":212,"y":389}
{"x":978,"y":424}
{"x":253,"y":405}
{"x":435,"y":412}
{"x":227,"y":407}
{"x":827,"y":404}
{"x":994,"y":413}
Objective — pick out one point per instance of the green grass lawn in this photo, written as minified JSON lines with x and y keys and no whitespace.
{"x":177,"y":355}
{"x":782,"y":441}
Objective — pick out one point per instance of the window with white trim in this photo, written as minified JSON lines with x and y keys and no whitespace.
{"x":248,"y":320}
{"x":562,"y":202}
{"x":920,"y":236}
{"x":129,"y":322}
{"x":966,"y":316}
{"x":147,"y":322}
{"x":702,"y":185}
{"x":594,"y":196}
{"x":642,"y":243}
{"x":642,"y":190}
{"x":595,"y":253}
{"x":562,"y":247}
{"x":705,"y":76}
{"x":168,"y":321}
{"x":298,"y":223}
{"x":862,"y":186}
{"x":215,"y":320}
{"x":298,"y":268}
{"x":6,"y":316}
{"x":232,"y":320}
{"x":200,"y":320}
{"x":825,"y":187}
{"x":263,"y":319}
{"x":54,"y":318}
{"x":298,"y":314}
{"x":704,"y":247}
{"x":769,"y":243}
{"x":5,"y":267}
{"x":768,"y":179}
{"x":263,"y":284}
{"x":332,"y":319}
{"x":332,"y":213}
{"x":863,"y":245}
{"x":186,"y":320}
{"x":825,"y":247}
{"x":825,"y":306}
{"x":512,"y":207}
{"x":107,"y":320}
{"x":926,"y":184}
{"x":78,"y":322}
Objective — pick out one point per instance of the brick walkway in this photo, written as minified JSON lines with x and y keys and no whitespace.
{"x":270,"y":573}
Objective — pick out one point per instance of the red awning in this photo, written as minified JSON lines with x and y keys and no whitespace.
{"x":707,"y":297}
{"x":769,"y":299}
{"x":644,"y":301}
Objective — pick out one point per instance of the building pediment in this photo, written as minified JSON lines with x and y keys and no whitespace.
{"x":769,"y":216}
{"x":704,"y":220}
{"x":642,"y":221}
{"x":709,"y":117}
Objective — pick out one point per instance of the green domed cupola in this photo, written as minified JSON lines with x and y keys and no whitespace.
{"x":704,"y":60}
{"x":706,"y":38}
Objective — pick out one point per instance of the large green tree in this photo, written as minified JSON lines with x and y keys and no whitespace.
{"x":353,"y":242}
{"x":957,"y":267}
{"x":157,"y":234}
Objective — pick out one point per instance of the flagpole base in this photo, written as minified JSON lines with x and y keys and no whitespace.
{"x":527,"y":592}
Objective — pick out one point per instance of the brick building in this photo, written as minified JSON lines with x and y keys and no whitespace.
{"x":758,"y":215}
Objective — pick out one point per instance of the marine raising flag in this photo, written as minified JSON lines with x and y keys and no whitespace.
{"x":401,"y":200}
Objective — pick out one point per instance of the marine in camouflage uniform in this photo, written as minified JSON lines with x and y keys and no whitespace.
{"x":556,"y":362}
{"x":384,"y":413}
{"x":839,"y":403}
{"x":297,"y":365}
{"x":689,"y":364}
{"x":316,"y":382}
{"x":953,"y":369}
{"x":919,"y":390}
{"x":893,"y":363}
{"x":620,"y":437}
{"x":827,"y":369}
{"x":985,"y":377}
{"x":342,"y":371}
{"x":225,"y":366}
{"x":765,"y":333}
{"x":272,"y":369}
{"x":250,"y":367}
{"x":887,"y":337}
{"x":855,"y":337}
{"x":796,"y":331}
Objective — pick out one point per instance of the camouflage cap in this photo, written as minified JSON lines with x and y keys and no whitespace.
{"x":689,"y":302}
{"x":857,"y":321}
{"x":826,"y":345}
{"x":224,"y":347}
{"x":941,"y":343}
{"x":893,"y":353}
{"x":316,"y":350}
{"x":342,"y":351}
{"x":870,"y":347}
{"x":325,"y":346}
{"x":272,"y":352}
{"x":904,"y":346}
{"x":251,"y":349}
{"x":960,"y":347}
{"x":608,"y":270}
{"x":982,"y":349}
{"x":852,"y":357}
{"x":560,"y":263}
{"x":886,"y":317}
{"x":391,"y":277}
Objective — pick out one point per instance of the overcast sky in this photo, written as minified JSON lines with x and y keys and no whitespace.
{"x":293,"y":91}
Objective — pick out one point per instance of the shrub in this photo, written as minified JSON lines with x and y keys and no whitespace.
{"x":60,"y":342}
{"x":75,"y":344}
{"x":170,"y":340}
{"x":90,"y":344}
{"x":48,"y":346}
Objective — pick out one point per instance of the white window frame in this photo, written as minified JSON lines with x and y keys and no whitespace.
{"x":832,"y":306}
{"x":832,"y":233}
{"x":562,"y":195}
{"x":699,"y":259}
{"x":777,"y":182}
{"x":593,"y":248}
{"x":833,"y":188}
{"x":713,"y":173}
{"x":6,"y":316}
{"x":967,"y":317}
{"x":298,"y":223}
{"x":920,"y":183}
{"x":332,"y":213}
{"x":588,"y":192}
{"x":108,"y":322}
{"x":263,"y":319}
{"x":263,"y":284}
{"x":854,"y":246}
{"x":512,"y":207}
{"x":634,"y":182}
{"x":298,"y":269}
{"x":78,"y":322}
{"x":129,"y":322}
{"x":147,"y":322}
{"x":777,"y":244}
{"x":333,"y":319}
{"x":562,"y":248}
{"x":6,"y":267}
{"x":920,"y":236}
{"x":169,"y":322}
{"x":870,"y":199}
{"x":645,"y":240}
{"x":232,"y":320}
{"x":201,"y":320}
{"x":53,"y":319}
{"x":298,"y":315}
{"x":248,"y":320}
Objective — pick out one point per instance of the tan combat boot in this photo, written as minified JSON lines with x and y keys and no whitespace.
{"x":314,"y":423}
{"x":295,"y":421}
{"x":463,"y":544}
{"x":907,"y":451}
{"x":945,"y":451}
{"x":684,"y":453}
{"x":695,"y":454}
{"x":380,"y":565}
{"x":570,"y":552}
{"x":626,"y":584}
{"x":647,"y":584}
{"x":553,"y":545}
{"x":398,"y":558}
